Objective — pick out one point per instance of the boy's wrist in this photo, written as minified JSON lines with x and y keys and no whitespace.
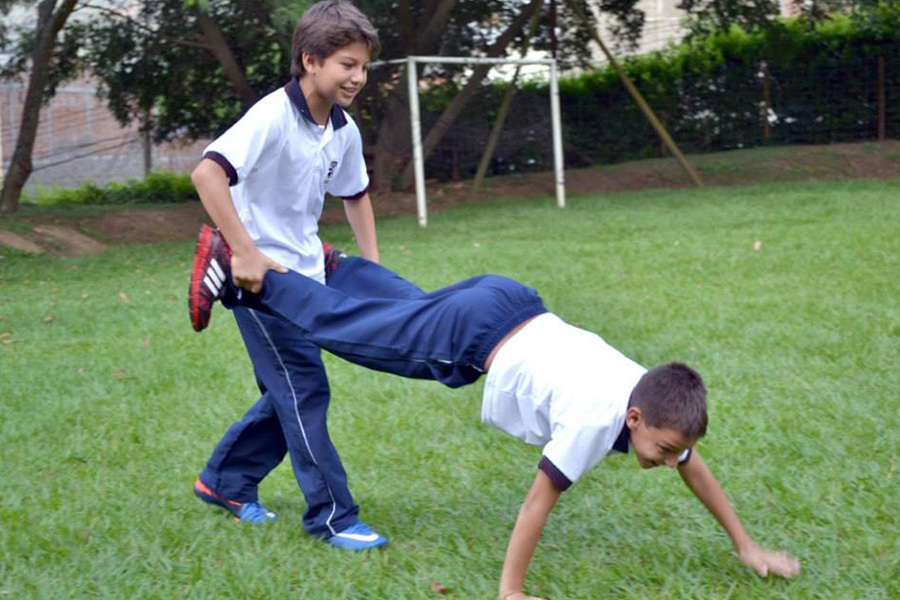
{"x":242,"y":248}
{"x":742,"y":542}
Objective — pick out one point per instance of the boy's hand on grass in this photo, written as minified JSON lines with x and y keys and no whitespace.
{"x":248,"y":270}
{"x":765,"y":562}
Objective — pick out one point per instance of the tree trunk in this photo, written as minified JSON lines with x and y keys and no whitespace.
{"x":20,"y":167}
{"x":393,"y":144}
{"x":491,"y":145}
{"x":447,"y":118}
{"x":220,"y":49}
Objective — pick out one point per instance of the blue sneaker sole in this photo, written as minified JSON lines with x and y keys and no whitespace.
{"x":355,"y":545}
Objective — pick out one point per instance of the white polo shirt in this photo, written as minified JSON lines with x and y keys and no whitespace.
{"x":563,"y":388}
{"x":280,"y":163}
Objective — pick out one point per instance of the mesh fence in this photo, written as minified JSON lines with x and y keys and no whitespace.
{"x":813,"y":94}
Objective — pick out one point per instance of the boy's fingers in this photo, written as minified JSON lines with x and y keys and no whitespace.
{"x":277,"y":267}
{"x":788,"y":566}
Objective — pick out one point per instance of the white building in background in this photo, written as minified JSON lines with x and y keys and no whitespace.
{"x":663,"y":24}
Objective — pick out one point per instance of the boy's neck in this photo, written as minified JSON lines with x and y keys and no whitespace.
{"x":319,"y":107}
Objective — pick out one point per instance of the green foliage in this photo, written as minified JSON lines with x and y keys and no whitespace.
{"x":160,"y":187}
{"x":709,"y":92}
{"x":112,"y":404}
{"x":705,"y":17}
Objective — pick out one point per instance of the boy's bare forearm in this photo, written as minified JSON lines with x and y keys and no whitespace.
{"x":212,"y":187}
{"x":362,"y":220}
{"x":527,"y":532}
{"x":765,"y":562}
{"x":703,"y":484}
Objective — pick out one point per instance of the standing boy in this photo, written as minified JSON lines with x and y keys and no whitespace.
{"x":263,"y":183}
{"x":548,"y":383}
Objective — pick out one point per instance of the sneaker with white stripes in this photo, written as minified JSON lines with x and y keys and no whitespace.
{"x":357,"y":537}
{"x":209,"y":277}
{"x":333,"y":258}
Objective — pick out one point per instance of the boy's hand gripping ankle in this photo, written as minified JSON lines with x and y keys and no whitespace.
{"x":249,"y":268}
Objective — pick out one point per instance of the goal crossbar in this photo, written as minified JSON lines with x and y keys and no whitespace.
{"x":416,"y":126}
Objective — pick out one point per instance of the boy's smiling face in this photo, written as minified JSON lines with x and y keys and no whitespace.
{"x":341,"y":76}
{"x":654,"y":446}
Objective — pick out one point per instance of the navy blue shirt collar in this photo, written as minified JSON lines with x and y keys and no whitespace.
{"x":621,"y":443}
{"x":338,"y":119}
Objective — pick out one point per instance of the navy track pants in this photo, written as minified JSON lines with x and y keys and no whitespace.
{"x":290,"y":417}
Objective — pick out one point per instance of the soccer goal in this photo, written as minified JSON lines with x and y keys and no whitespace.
{"x":412,"y":62}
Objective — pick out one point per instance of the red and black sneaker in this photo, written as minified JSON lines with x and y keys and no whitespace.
{"x":209,"y":277}
{"x":333,"y":257}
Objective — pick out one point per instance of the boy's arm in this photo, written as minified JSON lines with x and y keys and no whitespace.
{"x":248,"y":264}
{"x":703,"y":484}
{"x":362,"y":221}
{"x":530,"y":523}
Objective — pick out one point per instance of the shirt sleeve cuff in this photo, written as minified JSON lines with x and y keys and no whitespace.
{"x":223,"y":162}
{"x":559,"y":481}
{"x":356,"y":196}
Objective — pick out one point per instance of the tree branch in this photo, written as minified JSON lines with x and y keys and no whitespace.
{"x":222,"y":51}
{"x":430,"y":38}
{"x":446,"y":119}
{"x":126,"y":17}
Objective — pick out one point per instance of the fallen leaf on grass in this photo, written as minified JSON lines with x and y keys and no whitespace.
{"x":118,"y":373}
{"x":757,"y":245}
{"x":5,"y":339}
{"x":146,"y":342}
{"x":48,"y":319}
{"x":439,"y":588}
{"x":124,"y":297}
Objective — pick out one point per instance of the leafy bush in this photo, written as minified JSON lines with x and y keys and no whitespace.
{"x":154,"y":188}
{"x":789,"y":84}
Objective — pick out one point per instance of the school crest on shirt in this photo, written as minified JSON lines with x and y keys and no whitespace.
{"x":332,"y":167}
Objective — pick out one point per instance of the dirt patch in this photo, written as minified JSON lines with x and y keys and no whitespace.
{"x":19,"y":242}
{"x":66,"y":241}
{"x":69,"y":235}
{"x":147,"y":226}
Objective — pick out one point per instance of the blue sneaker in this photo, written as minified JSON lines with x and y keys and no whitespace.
{"x":255,"y":514}
{"x":244,"y":512}
{"x":357,"y":537}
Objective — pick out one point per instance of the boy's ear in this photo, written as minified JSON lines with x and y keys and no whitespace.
{"x":633,"y":417}
{"x":309,"y":61}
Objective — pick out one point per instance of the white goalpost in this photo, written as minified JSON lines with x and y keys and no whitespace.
{"x":416,"y":127}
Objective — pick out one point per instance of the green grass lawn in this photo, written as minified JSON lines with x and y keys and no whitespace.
{"x":111,"y":405}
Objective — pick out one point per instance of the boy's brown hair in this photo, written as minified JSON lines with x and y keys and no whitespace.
{"x":327,"y":27}
{"x":672,"y":396}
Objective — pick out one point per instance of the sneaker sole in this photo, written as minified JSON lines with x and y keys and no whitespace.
{"x":354,"y":545}
{"x":210,"y":497}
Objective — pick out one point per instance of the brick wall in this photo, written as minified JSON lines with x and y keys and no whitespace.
{"x":79,"y":140}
